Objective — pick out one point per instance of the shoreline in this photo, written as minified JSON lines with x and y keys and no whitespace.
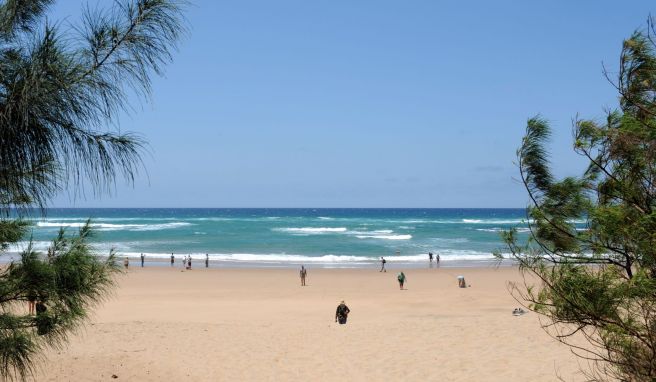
{"x":198,"y":261}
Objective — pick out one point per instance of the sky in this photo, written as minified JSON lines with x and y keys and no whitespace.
{"x":366,"y":103}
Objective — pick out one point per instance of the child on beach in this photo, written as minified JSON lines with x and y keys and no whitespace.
{"x":401,"y":278}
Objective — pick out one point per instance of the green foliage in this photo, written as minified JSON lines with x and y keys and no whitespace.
{"x":60,"y":90}
{"x":599,"y":283}
{"x":68,"y":281}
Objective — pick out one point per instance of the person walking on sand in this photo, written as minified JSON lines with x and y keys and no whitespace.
{"x":342,"y":313}
{"x":142,"y":260}
{"x":172,"y":259}
{"x":126,"y":263}
{"x":189,"y":262}
{"x":401,"y":278}
{"x":382,"y":264}
{"x":430,"y":257}
{"x":207,"y":260}
{"x":303,"y":274}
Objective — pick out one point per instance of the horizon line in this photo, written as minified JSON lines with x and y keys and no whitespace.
{"x":293,"y":208}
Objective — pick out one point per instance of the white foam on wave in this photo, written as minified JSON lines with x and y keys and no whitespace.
{"x":311,"y":230}
{"x":325,"y":218}
{"x":108,"y":219}
{"x":114,"y":227}
{"x":456,"y":221}
{"x":39,"y":246}
{"x":446,"y":255}
{"x":385,"y":237}
{"x":383,"y":234}
{"x":42,"y":247}
{"x":445,"y":240}
{"x":494,"y":221}
{"x":497,"y":229}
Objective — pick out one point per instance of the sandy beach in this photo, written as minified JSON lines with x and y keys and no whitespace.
{"x":165,"y":324}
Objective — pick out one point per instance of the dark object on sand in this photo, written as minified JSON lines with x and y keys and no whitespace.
{"x":342,"y":313}
{"x":518,"y":312}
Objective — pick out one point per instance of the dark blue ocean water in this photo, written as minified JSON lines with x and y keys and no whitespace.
{"x":340,"y":237}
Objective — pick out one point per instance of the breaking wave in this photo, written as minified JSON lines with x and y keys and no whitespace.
{"x":114,"y":227}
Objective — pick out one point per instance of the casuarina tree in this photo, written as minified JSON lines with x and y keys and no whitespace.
{"x":62,"y":88}
{"x":592,"y":246}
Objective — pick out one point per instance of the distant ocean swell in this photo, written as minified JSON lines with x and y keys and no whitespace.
{"x":331,"y":237}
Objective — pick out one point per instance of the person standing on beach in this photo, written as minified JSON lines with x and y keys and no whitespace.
{"x":401,"y":278}
{"x":189,"y":262}
{"x":437,"y":258}
{"x":142,"y":260}
{"x":172,"y":259}
{"x":303,"y":274}
{"x":41,"y":325}
{"x":184,"y":261}
{"x":342,"y":313}
{"x":430,"y":257}
{"x":126,"y":263}
{"x":31,"y":302}
{"x":382,"y":264}
{"x":207,"y":260}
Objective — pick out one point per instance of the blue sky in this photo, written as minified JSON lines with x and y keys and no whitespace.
{"x":367,"y":103}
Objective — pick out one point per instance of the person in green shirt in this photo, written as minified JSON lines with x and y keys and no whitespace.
{"x":401,"y":278}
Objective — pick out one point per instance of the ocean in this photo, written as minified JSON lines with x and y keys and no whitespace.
{"x":272,"y":237}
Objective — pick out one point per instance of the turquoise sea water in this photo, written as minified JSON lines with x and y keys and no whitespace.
{"x":280,"y":237}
